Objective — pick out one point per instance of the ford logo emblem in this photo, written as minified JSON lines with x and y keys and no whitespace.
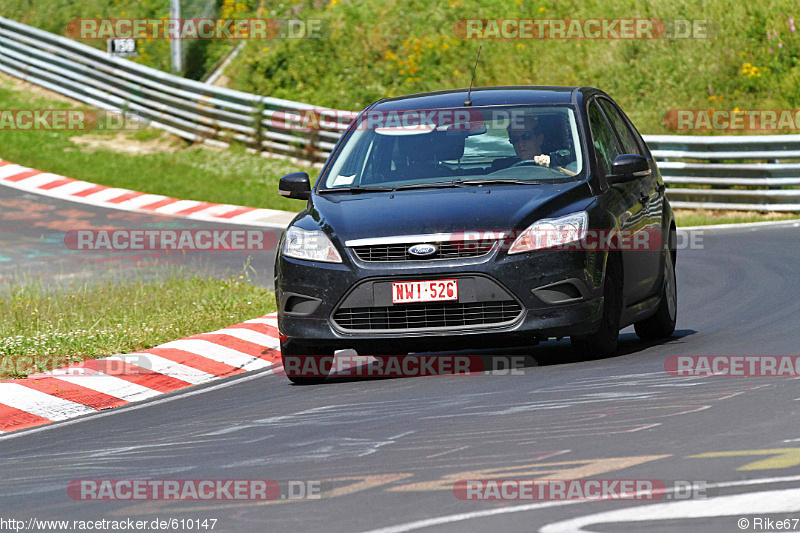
{"x":422,"y":249}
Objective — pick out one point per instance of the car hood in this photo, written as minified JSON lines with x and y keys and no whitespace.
{"x":413,"y":212}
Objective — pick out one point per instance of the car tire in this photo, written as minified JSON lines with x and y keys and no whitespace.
{"x":323,"y":362}
{"x":662,"y":324}
{"x":604,"y":341}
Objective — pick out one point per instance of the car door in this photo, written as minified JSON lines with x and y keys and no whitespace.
{"x":627,"y":205}
{"x":651,"y":195}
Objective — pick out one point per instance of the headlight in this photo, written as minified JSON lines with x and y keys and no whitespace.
{"x":551,"y":232}
{"x":310,"y":245}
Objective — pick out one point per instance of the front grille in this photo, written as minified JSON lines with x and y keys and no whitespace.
{"x":445,"y":250}
{"x":427,"y":315}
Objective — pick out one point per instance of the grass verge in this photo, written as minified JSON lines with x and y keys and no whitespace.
{"x":42,"y":328}
{"x":145,"y":160}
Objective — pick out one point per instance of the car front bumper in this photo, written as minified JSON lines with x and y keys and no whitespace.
{"x":559,"y":293}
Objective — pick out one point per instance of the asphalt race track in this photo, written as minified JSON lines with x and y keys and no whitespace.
{"x":33,"y":245}
{"x":387,"y":452}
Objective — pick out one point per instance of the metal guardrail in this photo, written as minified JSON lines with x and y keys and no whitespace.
{"x":696,"y":169}
{"x":193,"y":110}
{"x":731,"y":172}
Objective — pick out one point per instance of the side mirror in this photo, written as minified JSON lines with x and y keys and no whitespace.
{"x":295,"y":185}
{"x":628,"y":167}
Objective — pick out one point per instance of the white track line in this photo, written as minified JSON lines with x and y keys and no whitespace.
{"x":39,"y":403}
{"x":460,"y":517}
{"x":750,"y":503}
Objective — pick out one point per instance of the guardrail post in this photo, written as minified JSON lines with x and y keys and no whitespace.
{"x":258,"y":127}
{"x":313,"y":139}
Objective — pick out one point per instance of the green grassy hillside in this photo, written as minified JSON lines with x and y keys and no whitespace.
{"x":390,"y":47}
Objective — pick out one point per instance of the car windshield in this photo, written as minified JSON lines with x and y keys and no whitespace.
{"x":455,"y":147}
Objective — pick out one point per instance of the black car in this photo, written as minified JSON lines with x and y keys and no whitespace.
{"x":450,"y":220}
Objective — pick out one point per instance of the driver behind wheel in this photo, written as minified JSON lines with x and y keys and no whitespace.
{"x":525,"y":137}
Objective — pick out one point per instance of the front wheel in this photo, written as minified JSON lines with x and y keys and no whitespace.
{"x":662,"y":324}
{"x":306,"y":365}
{"x":604,"y":341}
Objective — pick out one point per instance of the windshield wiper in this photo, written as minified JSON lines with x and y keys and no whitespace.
{"x":357,"y":189}
{"x":433,"y":185}
{"x":464,"y":183}
{"x":501,"y":181}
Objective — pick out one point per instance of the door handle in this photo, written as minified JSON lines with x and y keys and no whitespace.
{"x":643,"y":199}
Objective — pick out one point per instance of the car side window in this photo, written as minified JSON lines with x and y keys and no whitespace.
{"x":603,"y":138}
{"x":624,"y":134}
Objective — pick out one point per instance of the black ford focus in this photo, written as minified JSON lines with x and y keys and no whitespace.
{"x":503,"y":217}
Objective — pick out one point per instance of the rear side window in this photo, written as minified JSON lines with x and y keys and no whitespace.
{"x":626,"y":137}
{"x":603,"y":138}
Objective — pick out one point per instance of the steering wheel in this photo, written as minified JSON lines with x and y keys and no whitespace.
{"x":532,"y":163}
{"x":525,"y":163}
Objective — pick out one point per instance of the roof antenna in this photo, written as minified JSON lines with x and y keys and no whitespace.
{"x":468,"y":102}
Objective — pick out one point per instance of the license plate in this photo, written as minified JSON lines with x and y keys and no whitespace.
{"x":438,"y":290}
